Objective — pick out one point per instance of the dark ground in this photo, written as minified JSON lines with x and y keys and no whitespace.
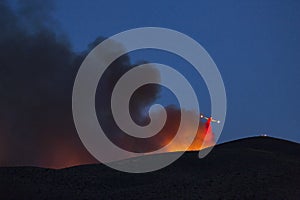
{"x":252,"y":168}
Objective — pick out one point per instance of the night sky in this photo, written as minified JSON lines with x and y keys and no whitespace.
{"x":255,"y":45}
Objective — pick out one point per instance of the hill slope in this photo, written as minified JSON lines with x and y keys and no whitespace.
{"x":251,"y":168}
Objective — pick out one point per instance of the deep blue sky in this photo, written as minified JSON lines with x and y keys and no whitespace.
{"x":255,"y":44}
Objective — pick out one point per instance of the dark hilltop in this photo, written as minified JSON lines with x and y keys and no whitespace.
{"x":251,"y":168}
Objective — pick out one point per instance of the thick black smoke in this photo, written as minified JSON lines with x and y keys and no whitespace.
{"x":37,"y":71}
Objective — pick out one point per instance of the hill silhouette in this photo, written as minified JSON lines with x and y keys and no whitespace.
{"x":250,"y":168}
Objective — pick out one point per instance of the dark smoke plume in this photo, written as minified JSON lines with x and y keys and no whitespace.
{"x":37,"y":72}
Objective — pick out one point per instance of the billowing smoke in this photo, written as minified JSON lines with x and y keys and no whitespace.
{"x":37,"y":72}
{"x":38,"y":68}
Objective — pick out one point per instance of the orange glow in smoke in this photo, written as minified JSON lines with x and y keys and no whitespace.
{"x":203,"y":139}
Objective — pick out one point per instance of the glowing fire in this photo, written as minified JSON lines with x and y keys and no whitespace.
{"x":203,"y":139}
